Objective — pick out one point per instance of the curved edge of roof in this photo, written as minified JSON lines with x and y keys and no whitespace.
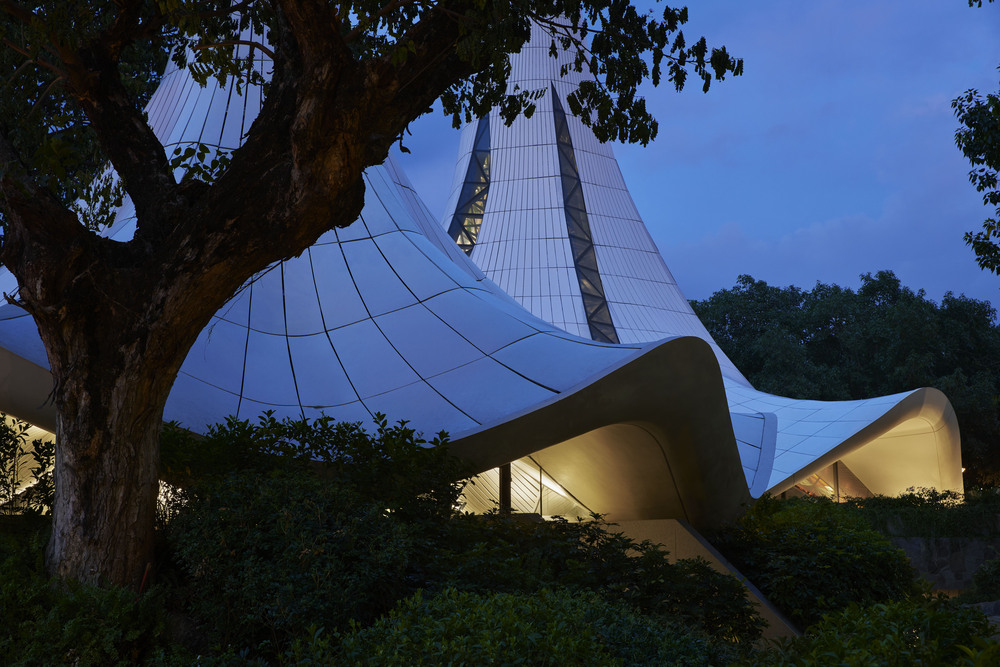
{"x":916,"y":443}
{"x":651,"y":437}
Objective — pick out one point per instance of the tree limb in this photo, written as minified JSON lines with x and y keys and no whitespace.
{"x":129,"y":27}
{"x":37,"y":61}
{"x":411,"y":85}
{"x":238,"y":42}
{"x":94,"y":80}
{"x":34,"y":217}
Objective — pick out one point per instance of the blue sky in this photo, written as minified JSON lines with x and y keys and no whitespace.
{"x":832,"y":156}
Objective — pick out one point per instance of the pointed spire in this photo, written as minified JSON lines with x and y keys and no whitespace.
{"x":558,"y":229}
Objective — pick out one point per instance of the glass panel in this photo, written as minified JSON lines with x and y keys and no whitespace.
{"x":835,"y":481}
{"x":472,"y":225}
{"x":579,"y":245}
{"x":466,"y":222}
{"x":603,"y":333}
{"x":602,"y":315}
{"x":588,"y":260}
{"x":483,"y":134}
{"x":532,"y":491}
{"x":578,"y":227}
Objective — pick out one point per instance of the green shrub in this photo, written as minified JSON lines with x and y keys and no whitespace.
{"x":543,"y":628}
{"x":394,"y":466}
{"x":987,"y":579}
{"x":268,"y":555}
{"x":63,"y":623}
{"x":932,"y":513}
{"x":985,"y":583}
{"x":496,"y":553}
{"x":324,"y":523}
{"x":24,"y":464}
{"x":811,"y":557}
{"x":920,"y":631}
{"x":81,"y":625}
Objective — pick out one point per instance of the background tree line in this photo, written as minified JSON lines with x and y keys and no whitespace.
{"x":834,"y":343}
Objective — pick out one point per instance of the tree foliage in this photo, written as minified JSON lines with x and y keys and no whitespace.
{"x":928,"y":631}
{"x":45,"y":126}
{"x":811,"y":558}
{"x":979,"y":141}
{"x":834,"y":343}
{"x":117,"y":318}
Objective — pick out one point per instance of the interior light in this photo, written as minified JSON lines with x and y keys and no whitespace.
{"x":550,"y":484}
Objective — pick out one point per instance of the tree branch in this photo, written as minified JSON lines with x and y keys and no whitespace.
{"x":229,"y":11}
{"x":94,"y":80}
{"x":238,"y":42}
{"x":35,"y":219}
{"x":409,"y":86}
{"x":17,"y":11}
{"x":128,"y":27}
{"x":37,"y":61}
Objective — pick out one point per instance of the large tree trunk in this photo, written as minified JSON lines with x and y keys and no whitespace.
{"x":106,"y":487}
{"x":110,"y":389}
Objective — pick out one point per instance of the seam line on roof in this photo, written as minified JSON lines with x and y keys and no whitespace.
{"x":420,"y":302}
{"x":288,"y":345}
{"x":246,"y":345}
{"x":326,"y":330}
{"x":417,"y":301}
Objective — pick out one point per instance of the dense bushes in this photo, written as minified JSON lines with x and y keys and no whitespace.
{"x":823,"y":565}
{"x":811,"y":557}
{"x":494,"y":553}
{"x":394,"y":466}
{"x":543,"y":628}
{"x":986,"y":580}
{"x":932,"y":513}
{"x":326,"y":524}
{"x":920,"y":631}
{"x":316,"y":543}
{"x":44,"y":624}
{"x":266,"y":556}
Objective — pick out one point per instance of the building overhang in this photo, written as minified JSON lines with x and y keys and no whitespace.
{"x":650,"y":439}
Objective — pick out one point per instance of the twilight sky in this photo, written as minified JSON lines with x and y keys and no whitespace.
{"x":833,"y":155}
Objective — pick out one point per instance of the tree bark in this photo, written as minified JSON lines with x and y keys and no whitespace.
{"x":106,"y":479}
{"x":113,"y":359}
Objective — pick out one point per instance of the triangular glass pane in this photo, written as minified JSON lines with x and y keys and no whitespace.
{"x":588,"y":261}
{"x":483,"y":134}
{"x":575,"y":197}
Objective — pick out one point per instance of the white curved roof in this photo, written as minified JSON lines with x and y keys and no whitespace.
{"x":524,"y":244}
{"x":389,"y":316}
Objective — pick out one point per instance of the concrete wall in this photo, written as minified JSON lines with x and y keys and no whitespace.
{"x":948,"y":562}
